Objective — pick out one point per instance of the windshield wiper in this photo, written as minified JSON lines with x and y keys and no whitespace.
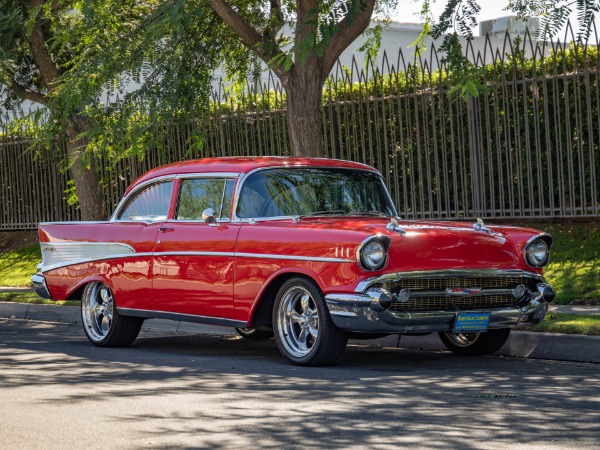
{"x":368,"y":213}
{"x":327,"y":212}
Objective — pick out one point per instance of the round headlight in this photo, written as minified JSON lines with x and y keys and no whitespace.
{"x":537,"y":253}
{"x":373,"y":255}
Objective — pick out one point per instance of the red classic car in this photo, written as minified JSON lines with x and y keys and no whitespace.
{"x":311,"y":251}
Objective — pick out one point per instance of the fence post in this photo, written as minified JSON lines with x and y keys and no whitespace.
{"x":476,"y":158}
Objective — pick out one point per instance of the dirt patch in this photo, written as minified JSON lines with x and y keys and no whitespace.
{"x":12,"y":240}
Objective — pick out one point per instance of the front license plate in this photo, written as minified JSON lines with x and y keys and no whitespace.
{"x":471,"y":321}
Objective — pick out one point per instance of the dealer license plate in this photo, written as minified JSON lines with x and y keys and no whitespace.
{"x":471,"y":321}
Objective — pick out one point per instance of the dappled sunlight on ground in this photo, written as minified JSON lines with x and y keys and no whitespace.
{"x":223,"y":392}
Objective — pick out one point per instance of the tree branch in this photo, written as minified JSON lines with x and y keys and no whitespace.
{"x":28,"y":94}
{"x":277,"y":22}
{"x":350,"y":28}
{"x":264,"y":46}
{"x":49,"y":71}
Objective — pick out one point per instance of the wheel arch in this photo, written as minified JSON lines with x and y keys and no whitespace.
{"x":76,"y":292}
{"x":261,"y":312}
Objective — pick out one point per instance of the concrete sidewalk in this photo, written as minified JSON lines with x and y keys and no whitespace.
{"x":564,"y":347}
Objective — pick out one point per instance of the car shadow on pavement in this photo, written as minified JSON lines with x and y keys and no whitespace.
{"x":205,"y":391}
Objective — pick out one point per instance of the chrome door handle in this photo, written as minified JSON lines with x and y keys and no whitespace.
{"x":165,"y":229}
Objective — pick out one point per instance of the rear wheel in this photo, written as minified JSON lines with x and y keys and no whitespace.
{"x":474,"y":344}
{"x":254,"y":334}
{"x":304,"y":331}
{"x":103,"y":325}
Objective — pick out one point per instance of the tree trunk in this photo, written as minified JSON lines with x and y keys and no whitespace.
{"x":304,"y":90}
{"x":87,"y":181}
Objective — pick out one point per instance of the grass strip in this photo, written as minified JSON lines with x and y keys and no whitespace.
{"x":17,"y":266}
{"x":588,"y":325}
{"x":32,"y":297}
{"x":574,"y":269}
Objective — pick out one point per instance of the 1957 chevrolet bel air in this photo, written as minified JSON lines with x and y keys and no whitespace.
{"x":310,"y":251}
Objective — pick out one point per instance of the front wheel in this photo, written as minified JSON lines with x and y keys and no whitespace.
{"x":304,"y":331}
{"x":475,"y":344}
{"x":102,"y":323}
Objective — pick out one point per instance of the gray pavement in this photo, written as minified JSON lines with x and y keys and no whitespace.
{"x":523,"y":344}
{"x":200,"y":391}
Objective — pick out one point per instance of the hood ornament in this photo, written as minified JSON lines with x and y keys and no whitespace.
{"x":480,"y":226}
{"x":393,"y":226}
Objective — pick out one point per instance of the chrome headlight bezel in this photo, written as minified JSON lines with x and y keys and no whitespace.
{"x":537,"y":251}
{"x":366,"y":254}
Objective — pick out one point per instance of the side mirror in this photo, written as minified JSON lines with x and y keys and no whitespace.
{"x":208,"y":215}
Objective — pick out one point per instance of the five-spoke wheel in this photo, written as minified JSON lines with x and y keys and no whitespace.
{"x":304,"y":332}
{"x":101,"y":322}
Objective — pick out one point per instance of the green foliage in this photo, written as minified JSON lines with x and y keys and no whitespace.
{"x":71,"y":194}
{"x":170,"y":50}
{"x":459,"y":17}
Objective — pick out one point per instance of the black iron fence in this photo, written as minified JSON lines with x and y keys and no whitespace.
{"x":530,"y":148}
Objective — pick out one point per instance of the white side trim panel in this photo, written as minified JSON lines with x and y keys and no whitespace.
{"x":58,"y":254}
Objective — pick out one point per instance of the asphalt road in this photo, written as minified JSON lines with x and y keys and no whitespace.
{"x":206,"y":391}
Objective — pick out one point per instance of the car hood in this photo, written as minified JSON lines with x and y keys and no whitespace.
{"x":428,"y":245}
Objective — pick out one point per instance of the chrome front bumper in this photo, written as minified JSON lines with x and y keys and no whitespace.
{"x":39,"y":284}
{"x":367,"y":313}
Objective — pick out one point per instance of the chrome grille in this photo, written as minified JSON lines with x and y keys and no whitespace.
{"x":436,"y":298}
{"x":454,"y":303}
{"x":428,"y":284}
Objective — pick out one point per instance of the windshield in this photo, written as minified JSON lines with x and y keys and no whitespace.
{"x":313,"y":191}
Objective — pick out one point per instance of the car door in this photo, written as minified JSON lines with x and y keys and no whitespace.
{"x":135,"y":227}
{"x":193,"y":269}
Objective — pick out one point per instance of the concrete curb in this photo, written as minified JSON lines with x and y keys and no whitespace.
{"x":524,"y":344}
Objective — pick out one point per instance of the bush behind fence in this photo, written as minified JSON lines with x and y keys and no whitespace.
{"x":528,"y":149}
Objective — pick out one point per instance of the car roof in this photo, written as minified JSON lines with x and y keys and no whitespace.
{"x":242,"y":165}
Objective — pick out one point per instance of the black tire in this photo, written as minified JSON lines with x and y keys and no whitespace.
{"x":304,"y":331}
{"x":102,"y":323}
{"x":255,"y":335}
{"x":475,"y":344}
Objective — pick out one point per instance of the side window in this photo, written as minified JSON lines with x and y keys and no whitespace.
{"x":198,"y":194}
{"x":149,"y":205}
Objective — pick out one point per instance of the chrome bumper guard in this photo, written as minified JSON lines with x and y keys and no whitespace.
{"x":39,"y":284}
{"x":369,"y":313}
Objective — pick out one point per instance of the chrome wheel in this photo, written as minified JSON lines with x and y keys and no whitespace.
{"x":463,"y":339}
{"x":298,"y":321}
{"x":97,"y":310}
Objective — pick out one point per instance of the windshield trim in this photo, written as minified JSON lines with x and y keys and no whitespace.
{"x":243,"y":177}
